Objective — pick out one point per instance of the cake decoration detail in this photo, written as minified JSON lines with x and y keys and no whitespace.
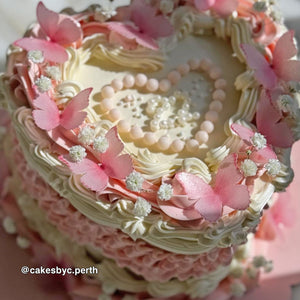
{"x":166,"y":159}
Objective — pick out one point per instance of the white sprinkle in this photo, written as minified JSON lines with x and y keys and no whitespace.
{"x":273,"y":167}
{"x":86,"y":135}
{"x":53,"y":72}
{"x":258,"y":141}
{"x":166,"y":6}
{"x":43,"y":84}
{"x":77,"y":153}
{"x":134,"y":181}
{"x":237,"y":289}
{"x":9,"y":225}
{"x":23,"y":242}
{"x":142,"y":207}
{"x":165,"y":191}
{"x":249,"y":167}
{"x":36,"y":56}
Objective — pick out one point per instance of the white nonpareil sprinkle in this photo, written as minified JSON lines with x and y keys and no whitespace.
{"x":100,"y":144}
{"x":86,"y":135}
{"x":9,"y":225}
{"x":134,"y":181}
{"x":53,"y":72}
{"x":77,"y":153}
{"x":165,"y":191}
{"x":260,"y":6}
{"x":43,"y":84}
{"x":258,"y":141}
{"x":259,"y":261}
{"x":36,"y":56}
{"x":142,"y":207}
{"x":249,"y":167}
{"x":166,"y":6}
{"x":273,"y":167}
{"x":22,"y":242}
{"x":237,"y":289}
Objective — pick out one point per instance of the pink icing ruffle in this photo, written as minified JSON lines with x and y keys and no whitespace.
{"x":152,"y":263}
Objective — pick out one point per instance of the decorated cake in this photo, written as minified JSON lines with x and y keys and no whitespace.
{"x":148,"y":142}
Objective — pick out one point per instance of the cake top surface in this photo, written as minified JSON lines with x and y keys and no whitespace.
{"x":165,"y":119}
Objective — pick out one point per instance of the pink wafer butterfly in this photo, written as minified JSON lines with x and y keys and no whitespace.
{"x":61,"y":31}
{"x":95,"y":176}
{"x":47,"y":115}
{"x":195,"y":198}
{"x":282,"y":67}
{"x":149,"y":27}
{"x":222,"y":7}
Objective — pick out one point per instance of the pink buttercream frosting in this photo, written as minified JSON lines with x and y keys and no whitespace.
{"x":152,"y":263}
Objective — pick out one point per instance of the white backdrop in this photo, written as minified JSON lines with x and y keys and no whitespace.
{"x":16,"y":15}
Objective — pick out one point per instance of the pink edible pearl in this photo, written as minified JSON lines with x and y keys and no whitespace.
{"x":177,"y":145}
{"x":152,"y":85}
{"x":212,"y":116}
{"x":202,"y":137}
{"x":194,"y":63}
{"x":107,"y":92}
{"x":183,"y":69}
{"x":207,"y":126}
{"x":114,"y":114}
{"x":149,"y":138}
{"x":117,"y":84}
{"x":205,"y":64}
{"x":140,"y":79}
{"x":174,"y":77}
{"x":136,"y":132}
{"x":164,"y":142}
{"x":164,"y":85}
{"x":221,"y":83}
{"x":106,"y":104}
{"x":215,"y":73}
{"x":219,"y":95}
{"x":124,"y":126}
{"x":216,"y":106}
{"x":128,"y":81}
{"x":192,"y":145}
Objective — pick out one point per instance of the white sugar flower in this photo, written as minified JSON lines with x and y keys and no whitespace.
{"x":259,"y":261}
{"x":77,"y":153}
{"x":237,"y":289}
{"x":43,"y":84}
{"x":165,"y":191}
{"x":287,"y":104}
{"x":9,"y":225}
{"x":134,"y":181}
{"x":86,"y":135}
{"x":249,"y":167}
{"x":142,"y":207}
{"x":23,"y":242}
{"x":36,"y":56}
{"x":258,"y":141}
{"x":53,"y":72}
{"x":273,"y":167}
{"x":166,"y":6}
{"x":100,"y":144}
{"x":268,"y":267}
{"x":260,"y":6}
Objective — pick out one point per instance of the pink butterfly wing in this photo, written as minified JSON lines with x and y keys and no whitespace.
{"x":203,"y":5}
{"x":46,"y":114}
{"x":208,"y":203}
{"x":116,"y":166}
{"x":285,"y":49}
{"x":227,"y":185}
{"x":130,"y":33}
{"x":93,"y":177}
{"x":243,"y":132}
{"x":264,"y":74}
{"x":73,"y":116}
{"x":225,"y":7}
{"x":269,"y":123}
{"x":263,"y":155}
{"x":51,"y":51}
{"x":149,"y":24}
{"x":61,"y":29}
